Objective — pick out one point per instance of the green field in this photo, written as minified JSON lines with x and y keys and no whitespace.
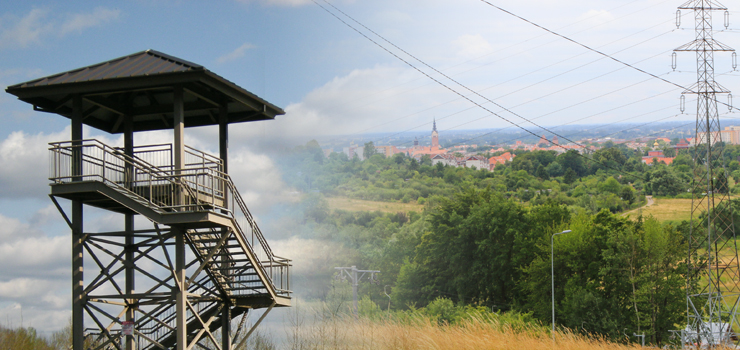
{"x":350,"y":204}
{"x":667,"y":209}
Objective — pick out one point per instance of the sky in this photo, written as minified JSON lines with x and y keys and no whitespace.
{"x":331,"y":80}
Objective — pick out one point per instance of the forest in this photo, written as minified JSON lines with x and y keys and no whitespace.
{"x":483,"y":238}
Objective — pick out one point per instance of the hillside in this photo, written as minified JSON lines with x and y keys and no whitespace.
{"x":482,"y":238}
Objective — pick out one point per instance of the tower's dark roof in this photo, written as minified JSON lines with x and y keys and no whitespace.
{"x":141,"y":85}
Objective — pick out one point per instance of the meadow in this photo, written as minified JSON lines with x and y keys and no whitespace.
{"x":427,"y":333}
{"x":667,"y":209}
{"x":350,"y":204}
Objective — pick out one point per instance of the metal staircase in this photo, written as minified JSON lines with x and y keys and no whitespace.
{"x":231,"y":268}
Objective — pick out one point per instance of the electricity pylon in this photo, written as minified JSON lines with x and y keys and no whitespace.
{"x":352,"y":273}
{"x":712,"y":282}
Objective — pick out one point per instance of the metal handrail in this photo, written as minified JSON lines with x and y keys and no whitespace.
{"x":203,"y":184}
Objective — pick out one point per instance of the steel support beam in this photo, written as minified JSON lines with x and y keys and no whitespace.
{"x":179,"y":129}
{"x":223,"y":148}
{"x":131,"y":304}
{"x":223,"y":136}
{"x":226,"y":327}
{"x":181,"y":325}
{"x":78,"y":297}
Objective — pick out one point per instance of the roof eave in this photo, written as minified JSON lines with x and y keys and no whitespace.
{"x":239,"y":94}
{"x":105,"y":85}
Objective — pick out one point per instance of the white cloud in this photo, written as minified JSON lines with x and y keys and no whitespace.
{"x":41,"y":23}
{"x":369,"y":100}
{"x":80,"y":21}
{"x":472,"y":46}
{"x":12,"y":228}
{"x":27,"y":30}
{"x":257,"y":178}
{"x":307,"y":254}
{"x":236,"y":54}
{"x":41,"y":257}
{"x":24,"y":163}
{"x":596,"y":17}
{"x":34,"y":280}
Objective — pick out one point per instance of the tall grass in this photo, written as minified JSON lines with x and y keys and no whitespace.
{"x":419,"y":332}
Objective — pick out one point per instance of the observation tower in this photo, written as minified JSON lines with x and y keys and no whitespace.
{"x":201,"y":260}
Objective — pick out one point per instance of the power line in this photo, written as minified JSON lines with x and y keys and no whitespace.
{"x":544,"y":44}
{"x":409,"y":115}
{"x":465,"y":87}
{"x":425,"y":73}
{"x":584,"y":46}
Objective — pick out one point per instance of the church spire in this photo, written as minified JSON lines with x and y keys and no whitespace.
{"x":434,"y":125}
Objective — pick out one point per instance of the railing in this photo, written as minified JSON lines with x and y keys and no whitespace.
{"x":150,"y":178}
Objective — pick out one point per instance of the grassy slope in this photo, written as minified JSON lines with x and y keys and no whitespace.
{"x":344,"y":203}
{"x":666,"y":209}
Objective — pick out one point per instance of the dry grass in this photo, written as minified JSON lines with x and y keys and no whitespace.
{"x":347,"y":333}
{"x":344,"y":203}
{"x":667,"y":209}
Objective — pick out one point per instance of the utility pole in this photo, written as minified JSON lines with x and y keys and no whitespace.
{"x":712,"y":282}
{"x":355,"y":276}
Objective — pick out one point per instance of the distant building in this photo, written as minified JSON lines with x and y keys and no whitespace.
{"x":387,"y":151}
{"x":731,"y":135}
{"x":353,"y":150}
{"x":543,"y":141}
{"x":478,"y":162}
{"x":446,"y":159}
{"x":681,"y":145}
{"x":419,"y":151}
{"x":435,"y":135}
{"x":658,"y":156}
{"x":502,"y":159}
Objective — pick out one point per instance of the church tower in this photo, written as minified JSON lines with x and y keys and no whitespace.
{"x":435,"y":135}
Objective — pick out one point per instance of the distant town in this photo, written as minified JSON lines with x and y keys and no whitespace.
{"x":656,"y":149}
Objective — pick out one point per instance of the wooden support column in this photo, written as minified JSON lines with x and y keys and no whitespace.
{"x":78,"y":297}
{"x":128,"y":148}
{"x":182,"y":293}
{"x":179,"y":129}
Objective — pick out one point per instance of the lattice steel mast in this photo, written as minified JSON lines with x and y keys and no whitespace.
{"x":712,"y":281}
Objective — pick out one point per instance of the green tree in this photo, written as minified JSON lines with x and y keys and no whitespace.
{"x":570,"y":176}
{"x":628,"y":194}
{"x":369,"y":150}
{"x":612,"y":273}
{"x":665,"y":182}
{"x":572,"y":160}
{"x":611,"y":185}
{"x":542,"y":173}
{"x":554,"y":169}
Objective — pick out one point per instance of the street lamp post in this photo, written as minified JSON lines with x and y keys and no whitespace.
{"x":552,"y":274}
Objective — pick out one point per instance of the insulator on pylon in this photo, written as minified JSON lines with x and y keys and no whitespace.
{"x":729,"y":102}
{"x":727,"y":19}
{"x":678,"y":19}
{"x":734,"y":61}
{"x":674,"y":60}
{"x":682,"y":105}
